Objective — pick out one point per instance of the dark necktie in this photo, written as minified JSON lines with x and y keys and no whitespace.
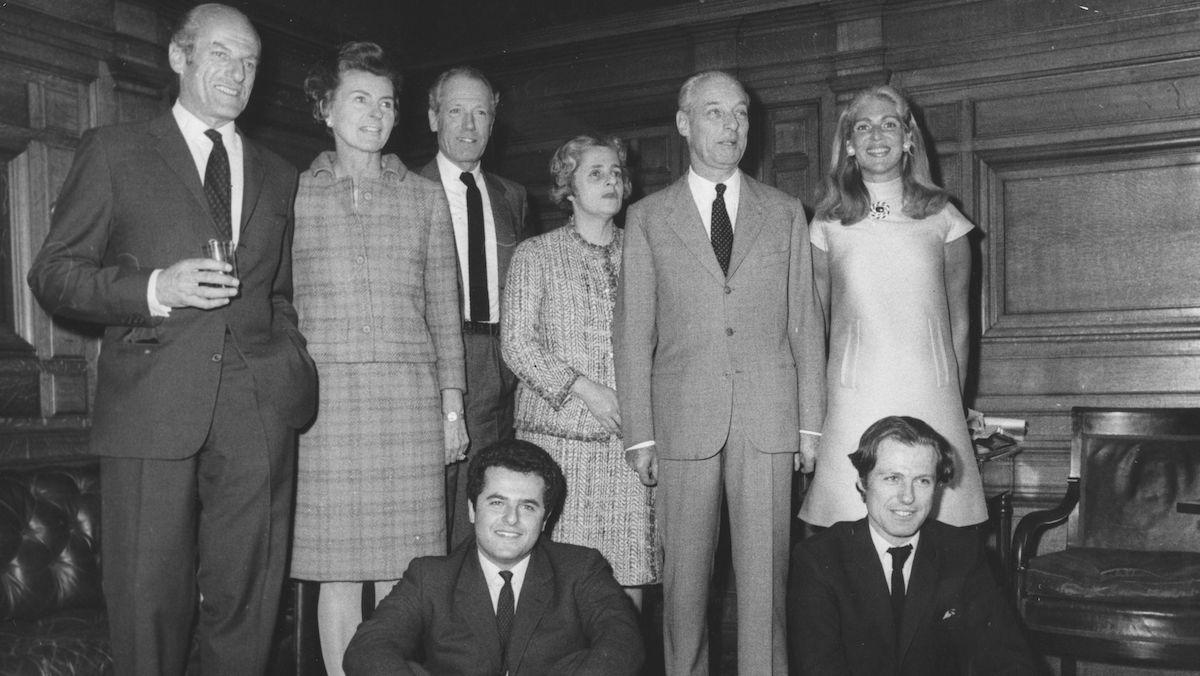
{"x":218,"y":186}
{"x":505,"y":612}
{"x":477,"y":279}
{"x":722,"y":230}
{"x":899,"y":556}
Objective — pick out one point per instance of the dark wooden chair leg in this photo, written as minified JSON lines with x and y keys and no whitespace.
{"x":308,"y":646}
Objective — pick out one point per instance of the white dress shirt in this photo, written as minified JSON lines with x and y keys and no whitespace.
{"x":704,"y":192}
{"x":201,"y":147}
{"x":885,"y":560}
{"x":456,"y":194}
{"x":491,"y":575}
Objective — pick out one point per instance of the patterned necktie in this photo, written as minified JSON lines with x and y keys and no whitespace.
{"x":505,"y":612}
{"x":218,"y":186}
{"x":722,"y":230}
{"x":899,"y":556}
{"x":477,"y":278}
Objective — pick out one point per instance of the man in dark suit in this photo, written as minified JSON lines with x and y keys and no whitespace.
{"x":506,"y":601}
{"x":896,"y":593}
{"x":489,"y":215}
{"x":719,"y":362}
{"x":203,"y":377}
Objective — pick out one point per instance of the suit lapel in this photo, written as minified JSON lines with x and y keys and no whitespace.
{"x":919,"y":597}
{"x":685,"y":220}
{"x":872,"y":585}
{"x":749,"y":222}
{"x":531,"y":607}
{"x":473,"y":604}
{"x":172,"y":147}
{"x":252,"y":183}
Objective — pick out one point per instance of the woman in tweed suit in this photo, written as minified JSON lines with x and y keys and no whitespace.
{"x":557,"y":337}
{"x":377,"y":294}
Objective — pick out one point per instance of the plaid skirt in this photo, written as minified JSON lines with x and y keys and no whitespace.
{"x":370,"y":489}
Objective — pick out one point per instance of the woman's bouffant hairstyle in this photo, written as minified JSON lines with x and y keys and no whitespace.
{"x":843,"y":196}
{"x":325,"y":77}
{"x":566,"y":160}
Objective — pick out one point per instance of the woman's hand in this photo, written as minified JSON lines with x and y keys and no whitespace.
{"x":455,"y":432}
{"x":601,"y":402}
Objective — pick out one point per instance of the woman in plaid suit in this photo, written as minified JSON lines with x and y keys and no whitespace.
{"x":377,"y":295}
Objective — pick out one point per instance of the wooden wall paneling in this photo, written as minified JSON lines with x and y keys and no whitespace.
{"x":60,"y":110}
{"x":792,"y":161}
{"x":966,"y":44}
{"x":1094,"y":242}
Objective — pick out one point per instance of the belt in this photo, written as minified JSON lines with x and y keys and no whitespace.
{"x":485,"y":328}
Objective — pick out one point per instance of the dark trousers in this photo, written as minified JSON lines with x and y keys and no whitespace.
{"x":213,"y":528}
{"x":491,"y":387}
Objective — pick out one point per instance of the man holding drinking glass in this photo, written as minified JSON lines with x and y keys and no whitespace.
{"x":203,"y":377}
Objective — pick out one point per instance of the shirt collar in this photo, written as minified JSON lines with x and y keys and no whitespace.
{"x":194,"y":127}
{"x":703,"y":186}
{"x":882,"y":546}
{"x":491,"y":572}
{"x":451,"y":171}
{"x":392,"y":169}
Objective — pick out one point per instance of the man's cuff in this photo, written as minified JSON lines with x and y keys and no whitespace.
{"x":644,"y":444}
{"x":157,"y":309}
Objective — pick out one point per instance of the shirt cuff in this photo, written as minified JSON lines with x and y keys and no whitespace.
{"x":157,"y":309}
{"x":810,"y":433}
{"x":644,"y":444}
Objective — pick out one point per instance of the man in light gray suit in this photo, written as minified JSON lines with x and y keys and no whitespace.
{"x":489,"y":215}
{"x":719,"y":355}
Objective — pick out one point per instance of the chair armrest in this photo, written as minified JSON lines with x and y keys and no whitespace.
{"x":1031,"y":526}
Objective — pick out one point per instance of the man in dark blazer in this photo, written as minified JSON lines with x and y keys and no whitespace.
{"x":202,"y":376}
{"x":462,"y":109}
{"x":862,"y":602}
{"x":446,"y":616}
{"x":719,"y":364}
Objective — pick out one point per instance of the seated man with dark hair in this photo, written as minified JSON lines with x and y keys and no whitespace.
{"x":897,"y":592}
{"x":505,"y":601}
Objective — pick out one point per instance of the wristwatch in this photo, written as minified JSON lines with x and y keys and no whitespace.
{"x":452,"y":416}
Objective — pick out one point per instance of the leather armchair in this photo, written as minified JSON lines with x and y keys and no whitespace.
{"x":52,"y":617}
{"x":1126,"y":589}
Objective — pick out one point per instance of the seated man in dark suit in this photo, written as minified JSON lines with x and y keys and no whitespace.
{"x":505,"y":601}
{"x":859,"y":604}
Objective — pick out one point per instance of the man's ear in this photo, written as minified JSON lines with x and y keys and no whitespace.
{"x":862,"y":490}
{"x":470,"y":511}
{"x":681,"y":123}
{"x":177,"y":58}
{"x":433,"y":120}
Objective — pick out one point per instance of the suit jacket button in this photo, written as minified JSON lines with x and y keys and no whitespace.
{"x":729,"y":332}
{"x":728,"y":290}
{"x":366,"y":329}
{"x":216,"y":357}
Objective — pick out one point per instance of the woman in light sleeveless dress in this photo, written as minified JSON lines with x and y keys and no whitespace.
{"x":892,"y":265}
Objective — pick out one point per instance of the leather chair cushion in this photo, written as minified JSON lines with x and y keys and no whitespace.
{"x":69,"y":643}
{"x":49,"y":541}
{"x":1117,"y":576}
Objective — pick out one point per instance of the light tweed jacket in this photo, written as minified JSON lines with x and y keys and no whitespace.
{"x":390,"y":262}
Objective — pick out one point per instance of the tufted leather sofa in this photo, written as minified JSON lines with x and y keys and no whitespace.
{"x":52,"y":619}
